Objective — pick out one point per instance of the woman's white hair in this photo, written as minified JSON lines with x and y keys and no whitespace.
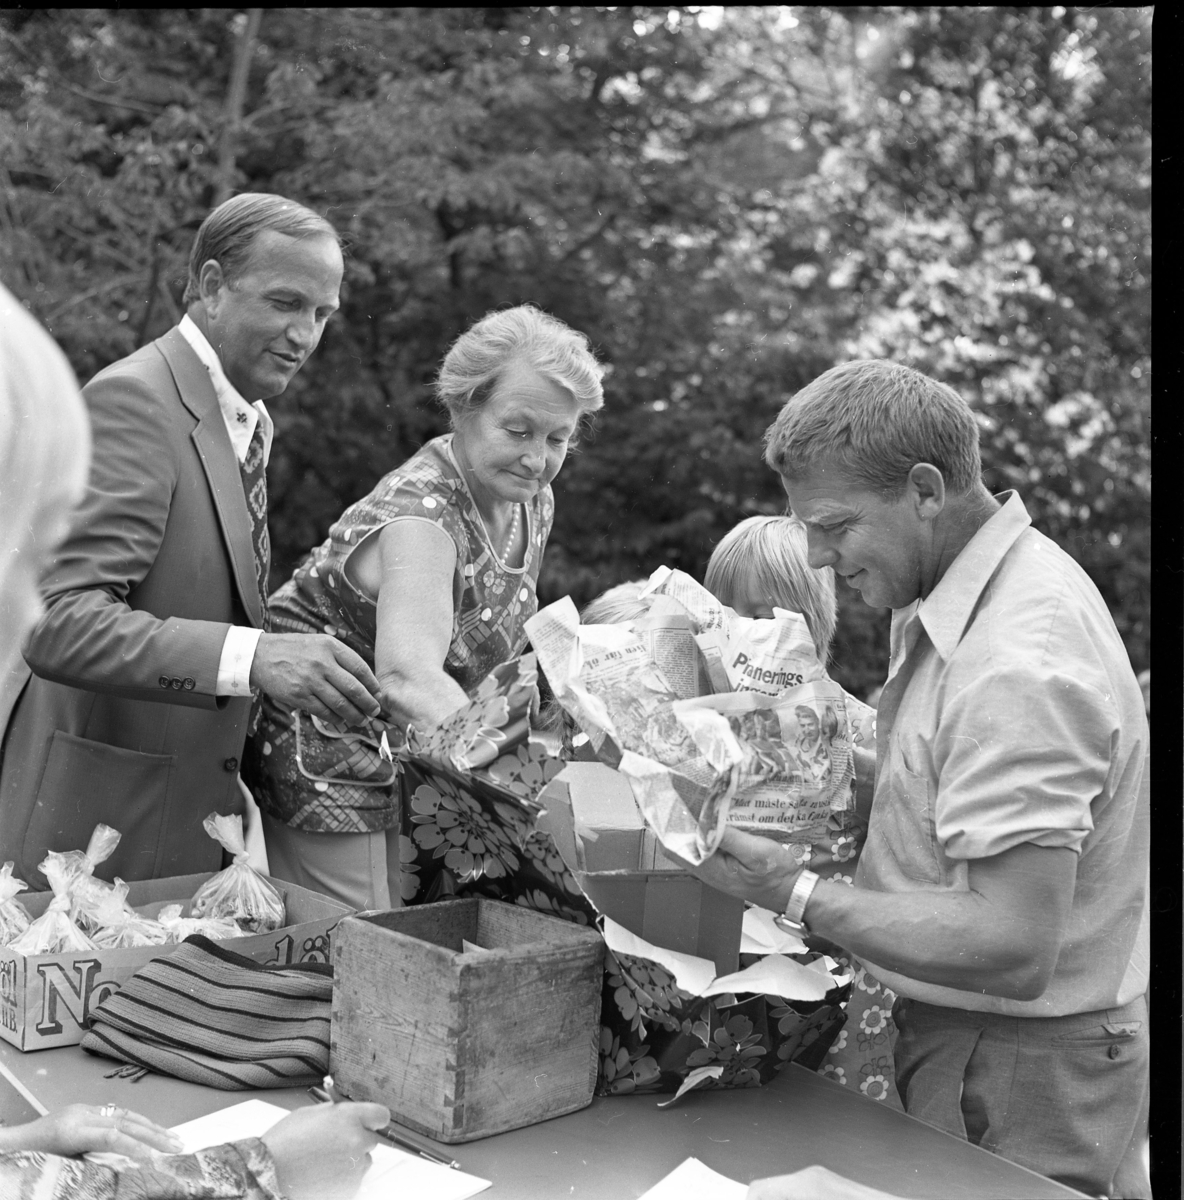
{"x":476,"y":360}
{"x":44,"y":455}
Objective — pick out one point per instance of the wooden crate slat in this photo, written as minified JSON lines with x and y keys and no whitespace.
{"x":461,"y":1046}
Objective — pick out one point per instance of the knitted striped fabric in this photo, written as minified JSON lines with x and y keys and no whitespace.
{"x":210,"y":1016}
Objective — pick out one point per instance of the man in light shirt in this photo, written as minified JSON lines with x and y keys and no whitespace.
{"x":1002,"y":889}
{"x":154,"y":638}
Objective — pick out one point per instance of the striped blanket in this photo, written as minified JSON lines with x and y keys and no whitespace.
{"x":210,"y":1016}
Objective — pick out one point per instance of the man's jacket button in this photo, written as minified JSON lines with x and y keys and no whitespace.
{"x":231,"y":764}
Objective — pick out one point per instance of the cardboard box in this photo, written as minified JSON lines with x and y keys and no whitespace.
{"x":621,"y":868}
{"x":463,"y":1041}
{"x":46,"y":999}
{"x":610,"y":832}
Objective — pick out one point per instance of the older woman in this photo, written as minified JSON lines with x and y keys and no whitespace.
{"x":430,"y":577}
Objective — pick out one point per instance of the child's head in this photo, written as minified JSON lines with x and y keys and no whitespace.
{"x":616,"y":606}
{"x":761,"y":564}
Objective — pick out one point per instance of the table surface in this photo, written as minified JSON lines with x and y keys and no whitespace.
{"x":619,"y":1146}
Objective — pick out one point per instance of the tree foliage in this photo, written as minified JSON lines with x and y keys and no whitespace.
{"x":727,"y":201}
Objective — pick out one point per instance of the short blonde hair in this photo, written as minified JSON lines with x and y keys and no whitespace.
{"x":875,"y":420}
{"x":771,"y":551}
{"x":617,"y":605}
{"x":476,"y":360}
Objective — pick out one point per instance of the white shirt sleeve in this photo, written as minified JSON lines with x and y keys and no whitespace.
{"x":234,"y":667}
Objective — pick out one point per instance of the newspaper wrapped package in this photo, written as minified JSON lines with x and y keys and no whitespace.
{"x":14,"y":919}
{"x":53,"y":932}
{"x":238,"y":893}
{"x":474,"y":833}
{"x":713,"y":717}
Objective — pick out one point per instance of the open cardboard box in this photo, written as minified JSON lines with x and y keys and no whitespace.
{"x":620,"y":866}
{"x":46,"y":999}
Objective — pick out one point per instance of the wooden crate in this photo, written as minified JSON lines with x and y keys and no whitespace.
{"x":460,"y":1045}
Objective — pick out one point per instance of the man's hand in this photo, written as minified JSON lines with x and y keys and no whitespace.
{"x":751,"y":867}
{"x":321,"y":1153}
{"x":815,"y":1183}
{"x":317,"y":673}
{"x":82,"y":1128}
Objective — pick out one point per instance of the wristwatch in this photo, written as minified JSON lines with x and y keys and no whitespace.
{"x":792,"y":919}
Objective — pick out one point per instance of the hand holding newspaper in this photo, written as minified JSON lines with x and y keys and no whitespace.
{"x":714,"y":718}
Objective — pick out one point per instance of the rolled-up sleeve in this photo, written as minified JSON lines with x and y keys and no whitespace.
{"x":1020,"y":755}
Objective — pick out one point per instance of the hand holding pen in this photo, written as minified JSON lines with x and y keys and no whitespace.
{"x":402,"y":1138}
{"x":323,"y":1153}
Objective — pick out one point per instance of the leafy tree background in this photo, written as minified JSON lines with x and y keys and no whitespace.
{"x":728,"y":201}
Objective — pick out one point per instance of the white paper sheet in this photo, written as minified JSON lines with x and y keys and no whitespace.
{"x":774,"y":975}
{"x":691,"y":1180}
{"x":761,"y":935}
{"x":393,"y":1172}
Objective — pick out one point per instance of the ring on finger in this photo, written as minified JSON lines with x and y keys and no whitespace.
{"x":108,"y":1110}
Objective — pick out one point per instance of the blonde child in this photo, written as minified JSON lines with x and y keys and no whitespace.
{"x":761,"y":564}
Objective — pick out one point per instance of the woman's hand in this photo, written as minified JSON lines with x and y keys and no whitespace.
{"x":82,"y":1128}
{"x":321,"y":1153}
{"x":751,"y":867}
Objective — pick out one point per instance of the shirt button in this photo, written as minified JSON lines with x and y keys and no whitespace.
{"x":231,"y":764}
{"x":1114,"y":1051}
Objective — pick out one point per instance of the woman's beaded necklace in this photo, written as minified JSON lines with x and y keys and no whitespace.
{"x":466,"y":472}
{"x":513,"y":534}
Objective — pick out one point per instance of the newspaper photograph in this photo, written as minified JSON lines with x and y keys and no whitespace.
{"x":795,"y":767}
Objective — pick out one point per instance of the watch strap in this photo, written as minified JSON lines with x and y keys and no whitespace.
{"x":799,"y":897}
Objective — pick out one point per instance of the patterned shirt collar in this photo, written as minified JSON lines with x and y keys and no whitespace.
{"x":240,"y":417}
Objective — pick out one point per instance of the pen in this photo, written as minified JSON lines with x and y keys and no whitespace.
{"x":398,"y":1137}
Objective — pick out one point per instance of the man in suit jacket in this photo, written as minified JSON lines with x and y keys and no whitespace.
{"x":154,"y":636}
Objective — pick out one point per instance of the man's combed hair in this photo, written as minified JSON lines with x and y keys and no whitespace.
{"x":875,"y":420}
{"x":227,"y":233}
{"x":526,"y":334}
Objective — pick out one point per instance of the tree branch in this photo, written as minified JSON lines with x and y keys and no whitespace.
{"x":131,"y":105}
{"x":235,"y":98}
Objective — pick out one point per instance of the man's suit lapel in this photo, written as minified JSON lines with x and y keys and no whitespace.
{"x":212,"y":443}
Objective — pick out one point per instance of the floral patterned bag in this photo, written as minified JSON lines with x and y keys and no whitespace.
{"x":469,"y":796}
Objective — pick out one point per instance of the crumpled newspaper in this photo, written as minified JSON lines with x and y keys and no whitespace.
{"x":735,"y":724}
